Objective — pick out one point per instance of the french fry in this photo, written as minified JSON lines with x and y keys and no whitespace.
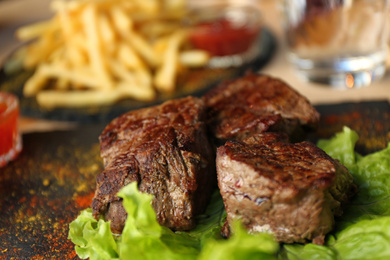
{"x":30,"y":32}
{"x":34,"y":84}
{"x":138,"y":92}
{"x":41,"y":51}
{"x":78,"y":42}
{"x":194,"y":58}
{"x":120,"y":71}
{"x":67,"y":23}
{"x":166,"y":73}
{"x":96,"y":52}
{"x":94,"y":47}
{"x":150,"y":7}
{"x":129,"y":57}
{"x":143,"y":48}
{"x":53,"y":98}
{"x":77,"y":57}
{"x":83,"y":76}
{"x":138,"y":79}
{"x":144,"y":77}
{"x":121,"y":21}
{"x":107,"y":33}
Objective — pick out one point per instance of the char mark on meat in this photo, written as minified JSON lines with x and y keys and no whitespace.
{"x":165,"y":149}
{"x":254,"y":104}
{"x":290,"y":190}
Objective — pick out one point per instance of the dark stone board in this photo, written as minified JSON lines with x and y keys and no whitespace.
{"x":53,"y":179}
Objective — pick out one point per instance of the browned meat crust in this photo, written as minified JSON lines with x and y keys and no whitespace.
{"x":290,"y":190}
{"x":254,"y":104}
{"x":166,"y":150}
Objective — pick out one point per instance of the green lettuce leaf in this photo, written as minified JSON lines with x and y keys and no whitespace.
{"x":142,"y":235}
{"x":366,"y":239}
{"x":92,"y":238}
{"x":363,"y":232}
{"x":371,"y":174}
{"x":241,"y":245}
{"x":342,"y":147}
{"x":144,"y":238}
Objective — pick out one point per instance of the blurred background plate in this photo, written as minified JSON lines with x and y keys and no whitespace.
{"x":195,"y":82}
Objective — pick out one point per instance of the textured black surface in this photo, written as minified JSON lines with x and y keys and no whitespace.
{"x":53,"y":179}
{"x":44,"y":189}
{"x":371,"y":120}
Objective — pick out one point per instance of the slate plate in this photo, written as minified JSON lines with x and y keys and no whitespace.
{"x":53,"y":179}
{"x":195,"y":82}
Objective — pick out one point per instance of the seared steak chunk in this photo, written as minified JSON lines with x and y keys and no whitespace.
{"x":166,"y":150}
{"x":254,"y":104}
{"x":290,"y":190}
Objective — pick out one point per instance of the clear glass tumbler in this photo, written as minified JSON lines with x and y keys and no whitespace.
{"x":342,"y":43}
{"x":10,"y":139}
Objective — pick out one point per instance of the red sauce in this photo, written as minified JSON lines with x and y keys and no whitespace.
{"x":9,"y":135}
{"x":221,"y":37}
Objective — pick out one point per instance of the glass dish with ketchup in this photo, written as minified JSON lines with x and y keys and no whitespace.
{"x":229,"y":32}
{"x":10,"y":139}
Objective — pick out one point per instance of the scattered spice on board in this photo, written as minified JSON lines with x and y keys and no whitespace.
{"x":44,"y":190}
{"x":54,"y":178}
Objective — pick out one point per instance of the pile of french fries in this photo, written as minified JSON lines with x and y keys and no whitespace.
{"x":96,"y":52}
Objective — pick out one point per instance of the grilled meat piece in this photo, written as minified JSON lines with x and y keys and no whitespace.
{"x":166,"y":150}
{"x":290,"y":190}
{"x":254,"y":104}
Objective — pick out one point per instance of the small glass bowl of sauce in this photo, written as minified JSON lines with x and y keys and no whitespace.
{"x":228,"y":32}
{"x":10,"y":139}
